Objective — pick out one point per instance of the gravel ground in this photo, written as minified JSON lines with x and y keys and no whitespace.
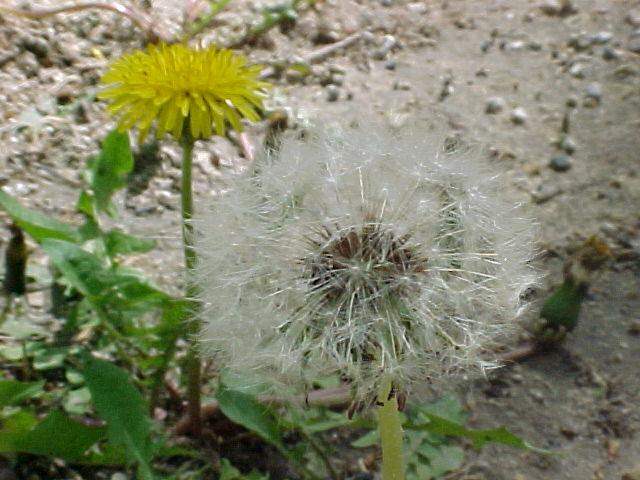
{"x":552,"y":89}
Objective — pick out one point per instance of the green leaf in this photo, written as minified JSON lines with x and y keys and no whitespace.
{"x":56,"y":436}
{"x":12,"y":392}
{"x":110,"y":168}
{"x":434,"y":462}
{"x":22,"y":328}
{"x":480,"y":437}
{"x":83,"y":270}
{"x":448,"y":407}
{"x":122,"y":406}
{"x":245,"y":410}
{"x":85,"y":204}
{"x":118,"y":243}
{"x":89,"y":230}
{"x":368,"y":439}
{"x":37,"y":225}
{"x":50,"y":357}
{"x":229,"y":472}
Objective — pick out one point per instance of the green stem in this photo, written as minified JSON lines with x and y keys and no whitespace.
{"x":390,"y":429}
{"x":192,"y":361}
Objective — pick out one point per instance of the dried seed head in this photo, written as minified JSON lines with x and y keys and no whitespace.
{"x":362,"y":253}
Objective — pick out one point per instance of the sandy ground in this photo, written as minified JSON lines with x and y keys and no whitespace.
{"x":552,"y":89}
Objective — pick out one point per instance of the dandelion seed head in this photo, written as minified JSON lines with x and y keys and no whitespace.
{"x":177,"y":86}
{"x":363,"y":253}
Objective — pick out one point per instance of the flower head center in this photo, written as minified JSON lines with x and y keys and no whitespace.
{"x":361,"y":264}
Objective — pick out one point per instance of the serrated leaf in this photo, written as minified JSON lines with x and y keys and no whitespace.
{"x":433,"y":462}
{"x":245,"y":410}
{"x":49,"y":357}
{"x":13,"y":392}
{"x":118,"y":243}
{"x":83,"y":270}
{"x":480,"y":437}
{"x":122,"y":406}
{"x":110,"y":169}
{"x":21,"y":328}
{"x":448,"y":407}
{"x":56,"y":436}
{"x":85,"y":204}
{"x":37,"y":225}
{"x":368,"y":439}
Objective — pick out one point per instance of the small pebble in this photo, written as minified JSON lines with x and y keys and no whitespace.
{"x":27,"y":62}
{"x":418,"y":8}
{"x":534,"y":46}
{"x":594,"y":92}
{"x":568,"y":145}
{"x":537,"y":395}
{"x":333,"y":93}
{"x":560,"y":163}
{"x":609,"y":53}
{"x":634,"y":45}
{"x":518,"y":116}
{"x":388,"y":42}
{"x":401,"y":85}
{"x":572,"y":101}
{"x":601,"y":38}
{"x":485,"y":45}
{"x":390,"y":65}
{"x":577,"y":70}
{"x":294,"y":76}
{"x":633,"y":17}
{"x":580,"y":42}
{"x":551,"y":8}
{"x":514,"y":46}
{"x":37,"y":45}
{"x":495,"y":105}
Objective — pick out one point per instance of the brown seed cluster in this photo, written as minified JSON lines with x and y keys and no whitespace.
{"x":361,"y":264}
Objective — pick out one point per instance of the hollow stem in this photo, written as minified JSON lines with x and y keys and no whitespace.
{"x":390,"y":429}
{"x":192,"y":361}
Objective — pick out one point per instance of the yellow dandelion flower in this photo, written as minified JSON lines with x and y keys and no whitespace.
{"x":174,"y":84}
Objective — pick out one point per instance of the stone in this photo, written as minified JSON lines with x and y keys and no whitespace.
{"x":333,"y":93}
{"x":551,"y":8}
{"x":518,"y":116}
{"x":609,"y":53}
{"x":577,"y":70}
{"x":495,"y":105}
{"x":560,"y":163}
{"x":580,"y":41}
{"x":568,"y":145}
{"x":634,"y":45}
{"x":633,"y":17}
{"x":390,"y":65}
{"x":593,"y":95}
{"x":401,"y":85}
{"x":601,"y":38}
{"x":594,"y":91}
{"x":388,"y":42}
{"x":572,"y":101}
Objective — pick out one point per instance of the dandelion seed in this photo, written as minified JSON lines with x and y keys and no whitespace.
{"x":177,"y":86}
{"x":366,"y":254}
